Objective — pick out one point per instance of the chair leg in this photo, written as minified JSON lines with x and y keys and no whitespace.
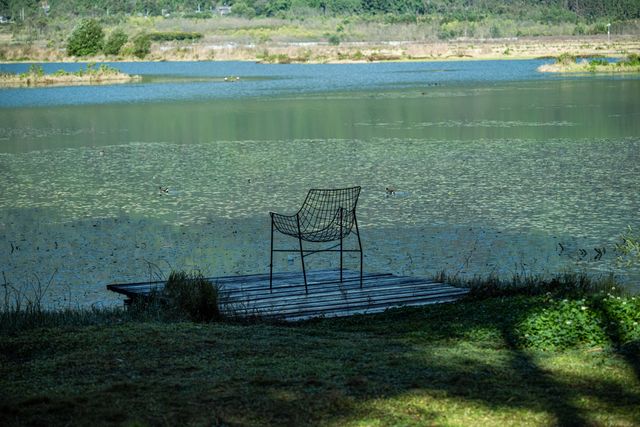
{"x":304,"y":272}
{"x":340,"y":245}
{"x":271,"y":260}
{"x":355,"y":222}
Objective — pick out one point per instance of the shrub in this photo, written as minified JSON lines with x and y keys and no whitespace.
{"x":141,"y":45}
{"x":86,"y":39}
{"x":334,"y":39}
{"x":566,"y":59}
{"x":197,"y":15}
{"x":242,"y":9}
{"x":495,"y":32}
{"x":175,"y":35}
{"x":36,"y":70}
{"x":592,"y":321}
{"x":599,"y":28}
{"x":633,"y":59}
{"x":114,"y":43}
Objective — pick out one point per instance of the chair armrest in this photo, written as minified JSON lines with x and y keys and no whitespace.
{"x":286,"y":224}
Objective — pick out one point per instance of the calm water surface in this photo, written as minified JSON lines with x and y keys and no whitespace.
{"x":499,"y":169}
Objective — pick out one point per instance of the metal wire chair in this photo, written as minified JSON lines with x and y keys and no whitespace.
{"x":325,"y":216}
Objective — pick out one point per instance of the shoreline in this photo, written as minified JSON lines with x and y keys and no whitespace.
{"x":350,"y":52}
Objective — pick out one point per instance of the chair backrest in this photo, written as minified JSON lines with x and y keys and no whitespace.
{"x":328,"y":214}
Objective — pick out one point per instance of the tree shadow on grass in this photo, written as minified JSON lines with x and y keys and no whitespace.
{"x":394,"y":368}
{"x":630,"y":351}
{"x":516,"y":382}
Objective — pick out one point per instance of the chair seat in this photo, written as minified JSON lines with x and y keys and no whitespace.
{"x":288,"y":224}
{"x":326,"y":215}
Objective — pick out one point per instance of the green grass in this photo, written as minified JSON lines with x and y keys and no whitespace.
{"x":453,"y":364}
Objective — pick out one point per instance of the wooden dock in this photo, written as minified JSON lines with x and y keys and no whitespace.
{"x":249,"y":295}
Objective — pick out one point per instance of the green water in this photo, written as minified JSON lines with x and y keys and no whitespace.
{"x":491,"y":177}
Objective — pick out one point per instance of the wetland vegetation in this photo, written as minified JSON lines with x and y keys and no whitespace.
{"x":567,"y":63}
{"x":36,"y":76}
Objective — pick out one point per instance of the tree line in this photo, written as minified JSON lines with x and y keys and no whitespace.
{"x":469,"y":10}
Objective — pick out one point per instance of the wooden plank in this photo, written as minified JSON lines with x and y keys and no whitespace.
{"x":341,"y":311}
{"x":409,"y":288}
{"x":292,"y":278}
{"x":363,"y":311}
{"x":407,"y":293}
{"x":364,"y":301}
{"x":347,"y":285}
{"x":298,"y":284}
{"x":249,"y":294}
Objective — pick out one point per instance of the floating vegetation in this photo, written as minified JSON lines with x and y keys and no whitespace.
{"x":89,"y":75}
{"x":99,"y":214}
{"x":567,"y":63}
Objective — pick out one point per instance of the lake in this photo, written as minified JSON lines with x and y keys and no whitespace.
{"x":499,"y":170}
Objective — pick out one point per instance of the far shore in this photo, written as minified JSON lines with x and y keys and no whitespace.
{"x":315,"y":52}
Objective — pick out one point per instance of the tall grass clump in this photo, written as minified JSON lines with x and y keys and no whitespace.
{"x":24,"y":309}
{"x":185,"y":296}
{"x":561,"y":285}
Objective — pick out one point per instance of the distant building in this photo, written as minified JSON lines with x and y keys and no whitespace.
{"x":223,"y":10}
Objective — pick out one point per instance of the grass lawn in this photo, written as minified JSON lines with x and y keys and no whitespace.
{"x":454,"y":364}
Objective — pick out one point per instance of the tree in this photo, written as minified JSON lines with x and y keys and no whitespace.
{"x":114,"y":43}
{"x":86,"y":39}
{"x":141,"y":45}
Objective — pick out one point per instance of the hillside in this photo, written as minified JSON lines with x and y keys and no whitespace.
{"x":463,"y":10}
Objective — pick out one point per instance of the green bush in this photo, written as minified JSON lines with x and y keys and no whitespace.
{"x":36,"y":70}
{"x":114,"y":43}
{"x":566,"y":59}
{"x":597,"y":320}
{"x":242,"y":9}
{"x":196,"y":15}
{"x":175,"y":35}
{"x":86,"y":39}
{"x":334,"y":39}
{"x":599,"y":28}
{"x":633,"y":59}
{"x":141,"y":45}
